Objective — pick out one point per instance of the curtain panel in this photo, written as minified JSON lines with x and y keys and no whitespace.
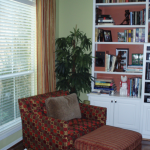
{"x":46,"y":15}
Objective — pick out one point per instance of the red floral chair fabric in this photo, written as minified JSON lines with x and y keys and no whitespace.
{"x":44,"y":133}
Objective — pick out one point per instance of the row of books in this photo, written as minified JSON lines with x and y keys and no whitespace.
{"x":134,"y":68}
{"x":106,"y":86}
{"x":132,"y":35}
{"x":138,"y":17}
{"x":118,"y":1}
{"x":134,"y":87}
{"x":147,"y":77}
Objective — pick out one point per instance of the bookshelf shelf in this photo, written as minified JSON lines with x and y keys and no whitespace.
{"x":120,"y":4}
{"x":119,"y":73}
{"x":128,"y":43}
{"x":120,"y":26}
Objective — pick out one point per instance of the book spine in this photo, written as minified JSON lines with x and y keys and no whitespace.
{"x":135,"y":18}
{"x":137,"y":35}
{"x":134,"y":34}
{"x":139,"y":89}
{"x":104,"y":84}
{"x":144,"y":16}
{"x":141,"y":17}
{"x":129,"y":36}
{"x":125,"y":35}
{"x":96,"y":34}
{"x":133,"y":85}
{"x":104,"y":88}
{"x":128,"y":89}
{"x":143,"y":35}
{"x":106,"y":60}
{"x":108,"y":63}
{"x":131,"y":18}
{"x":130,"y":86}
{"x":138,"y":17}
{"x":140,"y":34}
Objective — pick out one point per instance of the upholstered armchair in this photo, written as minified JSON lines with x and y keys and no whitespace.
{"x":41,"y":132}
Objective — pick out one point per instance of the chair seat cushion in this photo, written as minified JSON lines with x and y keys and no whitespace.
{"x":80,"y":127}
{"x":109,"y":138}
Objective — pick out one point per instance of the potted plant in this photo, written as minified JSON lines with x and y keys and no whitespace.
{"x":73,"y":62}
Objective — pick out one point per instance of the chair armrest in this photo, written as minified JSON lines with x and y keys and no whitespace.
{"x":94,"y":112}
{"x":32,"y":122}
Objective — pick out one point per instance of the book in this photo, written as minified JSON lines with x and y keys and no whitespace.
{"x":141,"y":17}
{"x":131,"y":18}
{"x":106,"y":23}
{"x":128,"y":87}
{"x":104,"y":84}
{"x":138,"y":17}
{"x":131,"y":87}
{"x":96,"y":34}
{"x":140,"y":87}
{"x":140,"y":34}
{"x":135,"y":19}
{"x":121,"y":37}
{"x":106,"y":20}
{"x":134,"y":34}
{"x":143,"y":35}
{"x":137,"y":35}
{"x":129,"y":36}
{"x":125,"y":35}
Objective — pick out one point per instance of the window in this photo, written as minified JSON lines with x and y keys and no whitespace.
{"x":17,"y":58}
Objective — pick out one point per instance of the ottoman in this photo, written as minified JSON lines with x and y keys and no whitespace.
{"x":109,"y":138}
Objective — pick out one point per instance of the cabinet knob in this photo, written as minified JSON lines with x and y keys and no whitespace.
{"x":111,"y":101}
{"x":115,"y":101}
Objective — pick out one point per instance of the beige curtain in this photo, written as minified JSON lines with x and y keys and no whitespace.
{"x":46,"y":12}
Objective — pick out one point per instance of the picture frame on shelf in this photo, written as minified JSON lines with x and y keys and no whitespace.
{"x":137,"y":59}
{"x":124,"y":57}
{"x":107,"y":36}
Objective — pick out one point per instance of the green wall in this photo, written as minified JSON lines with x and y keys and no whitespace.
{"x":71,"y":13}
{"x":10,"y":139}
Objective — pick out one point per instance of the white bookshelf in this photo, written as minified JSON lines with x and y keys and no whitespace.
{"x":116,"y":104}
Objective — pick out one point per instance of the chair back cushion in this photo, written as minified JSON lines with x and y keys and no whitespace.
{"x":63,"y":107}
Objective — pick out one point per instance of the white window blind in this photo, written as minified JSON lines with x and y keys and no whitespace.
{"x":17,"y":57}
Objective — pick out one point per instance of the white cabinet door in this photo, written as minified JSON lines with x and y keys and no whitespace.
{"x":127,"y":113}
{"x":103,"y":101}
{"x":146,"y":121}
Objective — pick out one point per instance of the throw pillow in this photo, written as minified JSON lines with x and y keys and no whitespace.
{"x":63,"y":107}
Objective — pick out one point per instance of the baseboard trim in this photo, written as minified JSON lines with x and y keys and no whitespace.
{"x":11,"y":144}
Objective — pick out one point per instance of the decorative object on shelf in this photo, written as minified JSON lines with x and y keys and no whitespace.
{"x":73,"y":63}
{"x":127,"y":14}
{"x":107,"y":36}
{"x":122,"y":59}
{"x":121,"y":37}
{"x":100,"y":59}
{"x":100,"y":35}
{"x":123,"y":86}
{"x":105,"y":20}
{"x":137,"y":59}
